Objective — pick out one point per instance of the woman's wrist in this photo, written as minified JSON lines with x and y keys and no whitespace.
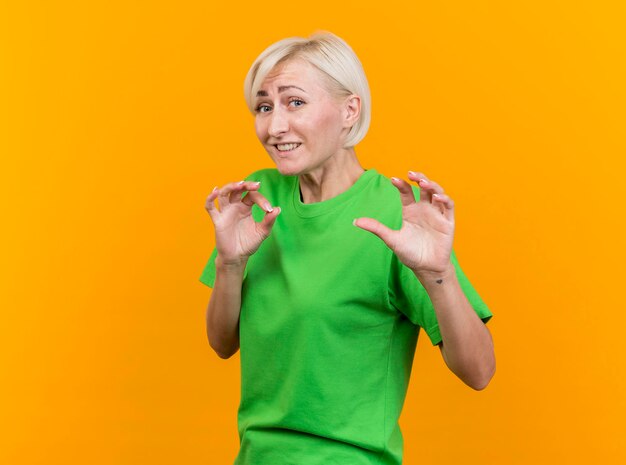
{"x":230,"y":264}
{"x":429,"y":278}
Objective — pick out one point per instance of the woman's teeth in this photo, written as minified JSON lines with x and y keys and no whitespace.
{"x":286,"y":147}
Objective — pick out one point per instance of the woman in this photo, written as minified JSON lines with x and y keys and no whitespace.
{"x":323,"y":272}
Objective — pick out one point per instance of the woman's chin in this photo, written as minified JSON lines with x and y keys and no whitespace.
{"x":288,"y":169}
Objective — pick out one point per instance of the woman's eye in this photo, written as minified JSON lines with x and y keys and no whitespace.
{"x":297,"y":102}
{"x":262,"y":108}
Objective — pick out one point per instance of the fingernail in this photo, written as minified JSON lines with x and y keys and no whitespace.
{"x":421,"y":180}
{"x":257,"y":183}
{"x":412,"y":172}
{"x":268,"y":207}
{"x":214,"y":189}
{"x":354,"y":221}
{"x":394,"y":179}
{"x":279,"y":210}
{"x":240,"y":183}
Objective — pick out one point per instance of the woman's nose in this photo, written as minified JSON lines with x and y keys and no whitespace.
{"x":278,"y":123}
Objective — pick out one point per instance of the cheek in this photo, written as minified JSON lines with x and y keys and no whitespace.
{"x":329,"y":125}
{"x":258,"y":129}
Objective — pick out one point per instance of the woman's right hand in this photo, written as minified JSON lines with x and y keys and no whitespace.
{"x":237,"y":235}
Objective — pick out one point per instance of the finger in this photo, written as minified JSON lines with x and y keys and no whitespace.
{"x":210,"y":203}
{"x":406,"y":191}
{"x":377,"y":228}
{"x":445,"y":204}
{"x":427,"y":187}
{"x":431,"y":186}
{"x":232,"y":192}
{"x":418,"y":177}
{"x":257,"y":198}
{"x":265,"y":226}
{"x":241,"y":187}
{"x":225,"y":192}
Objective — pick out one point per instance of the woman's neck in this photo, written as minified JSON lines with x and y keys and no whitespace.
{"x":337,"y":175}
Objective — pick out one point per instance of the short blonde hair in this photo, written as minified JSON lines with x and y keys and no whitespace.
{"x":329,"y":54}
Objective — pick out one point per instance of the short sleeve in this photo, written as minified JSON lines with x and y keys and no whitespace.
{"x":408,"y":296}
{"x":208,"y":274}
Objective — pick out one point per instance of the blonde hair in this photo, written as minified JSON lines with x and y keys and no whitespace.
{"x":329,"y":54}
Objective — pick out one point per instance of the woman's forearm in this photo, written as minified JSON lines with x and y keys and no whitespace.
{"x":467,"y":344}
{"x":222,"y":316}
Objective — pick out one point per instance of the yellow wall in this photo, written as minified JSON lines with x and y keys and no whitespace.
{"x":117,"y":118}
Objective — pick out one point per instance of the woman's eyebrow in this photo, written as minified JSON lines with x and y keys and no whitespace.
{"x":263,"y":93}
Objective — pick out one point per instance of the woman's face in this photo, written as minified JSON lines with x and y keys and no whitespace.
{"x":300,"y":124}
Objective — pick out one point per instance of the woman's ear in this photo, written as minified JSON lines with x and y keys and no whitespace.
{"x":352,"y":110}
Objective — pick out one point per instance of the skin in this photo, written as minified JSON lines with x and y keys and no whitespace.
{"x":296,"y":106}
{"x":308,"y":114}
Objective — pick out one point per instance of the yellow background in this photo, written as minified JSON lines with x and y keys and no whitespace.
{"x":117,"y":119}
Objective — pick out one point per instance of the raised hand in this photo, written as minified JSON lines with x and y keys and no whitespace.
{"x":237,"y":235}
{"x":424,"y":243}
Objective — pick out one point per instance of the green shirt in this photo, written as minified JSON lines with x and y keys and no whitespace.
{"x":328,"y":327}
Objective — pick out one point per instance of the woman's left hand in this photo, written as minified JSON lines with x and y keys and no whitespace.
{"x":424,"y":243}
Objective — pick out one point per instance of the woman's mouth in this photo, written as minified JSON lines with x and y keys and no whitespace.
{"x":287,"y":147}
